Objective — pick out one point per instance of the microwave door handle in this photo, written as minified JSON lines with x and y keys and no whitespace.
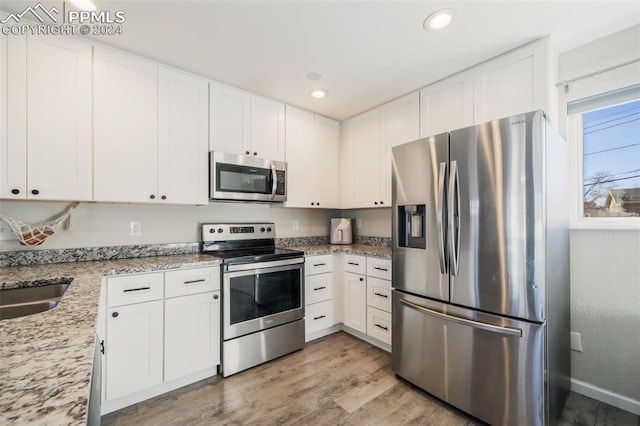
{"x":274,"y":181}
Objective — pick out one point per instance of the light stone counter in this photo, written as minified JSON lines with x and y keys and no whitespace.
{"x":361,"y":249}
{"x":46,"y":358}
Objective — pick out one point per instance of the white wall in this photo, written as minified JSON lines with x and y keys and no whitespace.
{"x":375,"y":222}
{"x":97,"y":224}
{"x":605,"y":266}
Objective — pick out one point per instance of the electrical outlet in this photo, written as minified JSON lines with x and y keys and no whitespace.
{"x":358,"y":223}
{"x":296,"y":225}
{"x":6,"y":233}
{"x":576,"y":342}
{"x":135,"y":228}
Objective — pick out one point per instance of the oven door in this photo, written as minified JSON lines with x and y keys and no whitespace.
{"x":261,"y":296}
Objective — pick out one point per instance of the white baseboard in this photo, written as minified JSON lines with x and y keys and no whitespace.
{"x":608,"y":397}
{"x":367,"y":338}
{"x":322,"y":333}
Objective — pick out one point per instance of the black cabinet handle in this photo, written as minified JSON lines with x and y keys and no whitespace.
{"x":215,"y":296}
{"x":312,"y":204}
{"x":317,"y":204}
{"x":164,"y":197}
{"x":375,"y":202}
{"x":382,"y":295}
{"x":153,"y":197}
{"x":255,"y":153}
{"x":319,"y":288}
{"x":128,"y":290}
{"x":15,"y":191}
{"x":201,"y":280}
{"x":102,"y":347}
{"x":353,"y":263}
{"x":381,"y":202}
{"x":380,"y":269}
{"x":320,"y":317}
{"x":382,"y":327}
{"x":115,"y":314}
{"x":35,"y":192}
{"x":361,"y":279}
{"x":319,"y":264}
{"x":247,"y":152}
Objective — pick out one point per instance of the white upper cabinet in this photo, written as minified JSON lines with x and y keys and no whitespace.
{"x":399,"y":123}
{"x":267,"y":129}
{"x":46,"y":142}
{"x":312,"y":144}
{"x":513,"y":83}
{"x":245,"y":124}
{"x":125,"y":127}
{"x":183,"y":113}
{"x":230,"y":119}
{"x":447,"y":105}
{"x":366,"y":159}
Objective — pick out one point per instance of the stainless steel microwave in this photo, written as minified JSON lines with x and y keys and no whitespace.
{"x":244,"y":178}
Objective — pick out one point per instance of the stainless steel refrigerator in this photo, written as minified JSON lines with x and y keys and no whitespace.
{"x":481,"y":269}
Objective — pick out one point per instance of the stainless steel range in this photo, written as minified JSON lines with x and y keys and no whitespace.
{"x":263,"y":294}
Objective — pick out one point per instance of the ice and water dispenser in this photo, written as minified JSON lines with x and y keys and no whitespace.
{"x":411,"y":226}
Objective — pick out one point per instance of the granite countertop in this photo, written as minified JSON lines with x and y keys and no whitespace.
{"x":46,"y":358}
{"x":361,"y":249}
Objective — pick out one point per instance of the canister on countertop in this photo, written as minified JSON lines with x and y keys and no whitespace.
{"x":341,"y":231}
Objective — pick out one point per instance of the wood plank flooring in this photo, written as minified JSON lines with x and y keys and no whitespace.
{"x":335,"y":380}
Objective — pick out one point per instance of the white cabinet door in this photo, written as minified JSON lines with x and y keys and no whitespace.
{"x":230,"y":119}
{"x":13,"y":117}
{"x":355,"y":301}
{"x":513,"y":83}
{"x":133,"y":348}
{"x":192,"y":334}
{"x":346,"y":164}
{"x":399,"y":123}
{"x":326,"y":177}
{"x":447,"y":105}
{"x":182,"y":138}
{"x":366,"y":159}
{"x":125,"y":127}
{"x":300,"y":146}
{"x":267,"y":129}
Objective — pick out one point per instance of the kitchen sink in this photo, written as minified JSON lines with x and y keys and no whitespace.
{"x":41,"y":296}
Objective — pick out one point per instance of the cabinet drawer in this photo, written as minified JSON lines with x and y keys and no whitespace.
{"x":379,"y":325}
{"x":379,"y":293}
{"x":318,"y":264}
{"x":379,"y":268}
{"x":134,"y":289}
{"x":318,"y":317}
{"x":191,"y":281}
{"x":355,"y":264}
{"x":318,"y":288}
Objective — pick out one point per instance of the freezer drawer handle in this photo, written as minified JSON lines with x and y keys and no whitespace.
{"x":475,"y":324}
{"x":319,"y":288}
{"x":195,"y":281}
{"x":382,"y":327}
{"x":381,"y":269}
{"x":381,"y":295}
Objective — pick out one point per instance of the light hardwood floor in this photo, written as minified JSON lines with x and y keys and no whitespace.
{"x":335,"y":380}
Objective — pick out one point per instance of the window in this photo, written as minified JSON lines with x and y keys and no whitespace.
{"x":606,"y":128}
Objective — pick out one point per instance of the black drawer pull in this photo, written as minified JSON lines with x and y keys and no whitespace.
{"x":319,"y":288}
{"x":201,"y":280}
{"x":136,"y":289}
{"x":382,"y":327}
{"x":361,"y":279}
{"x":319,"y":264}
{"x":320,"y":317}
{"x":353,"y":263}
{"x":380,"y":269}
{"x":382,"y":295}
{"x":215,"y":296}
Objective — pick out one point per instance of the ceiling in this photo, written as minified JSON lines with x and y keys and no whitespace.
{"x":368,"y":52}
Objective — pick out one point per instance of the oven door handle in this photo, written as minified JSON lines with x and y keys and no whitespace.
{"x":274,"y":181}
{"x":263,"y":265}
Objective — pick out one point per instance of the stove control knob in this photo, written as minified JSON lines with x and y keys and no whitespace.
{"x":261,"y":229}
{"x":269,"y":229}
{"x":219,"y":230}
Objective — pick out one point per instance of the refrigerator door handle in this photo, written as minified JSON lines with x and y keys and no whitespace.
{"x":453,"y":201}
{"x":510,"y":331}
{"x":439,"y":219}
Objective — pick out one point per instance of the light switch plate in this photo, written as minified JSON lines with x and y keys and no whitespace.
{"x":576,"y":342}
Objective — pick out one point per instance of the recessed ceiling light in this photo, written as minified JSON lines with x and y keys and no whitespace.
{"x":314,"y":76}
{"x":318,"y":93}
{"x":438,"y":20}
{"x":84,"y":5}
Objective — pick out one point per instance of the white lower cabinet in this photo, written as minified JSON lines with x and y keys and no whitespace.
{"x":318,"y":294}
{"x":162,"y":331}
{"x":379,"y":324}
{"x":355,"y":301}
{"x":133,"y":348}
{"x":318,"y":316}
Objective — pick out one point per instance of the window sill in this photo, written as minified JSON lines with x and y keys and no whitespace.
{"x":605,"y":224}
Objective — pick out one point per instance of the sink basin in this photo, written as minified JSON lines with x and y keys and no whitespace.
{"x":44,"y":295}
